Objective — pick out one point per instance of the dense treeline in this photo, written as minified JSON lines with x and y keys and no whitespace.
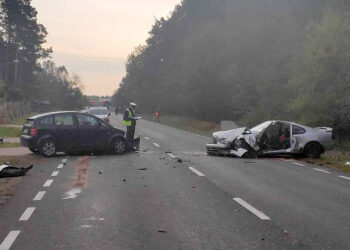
{"x":22,"y":76}
{"x":246,"y":61}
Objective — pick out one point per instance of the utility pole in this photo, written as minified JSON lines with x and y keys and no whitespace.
{"x":16,"y":68}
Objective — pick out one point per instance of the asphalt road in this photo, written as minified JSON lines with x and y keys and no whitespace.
{"x":171,"y":195}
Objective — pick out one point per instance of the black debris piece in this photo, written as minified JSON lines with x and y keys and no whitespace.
{"x":162,"y":231}
{"x":1,"y":140}
{"x":249,"y":162}
{"x":142,"y":169}
{"x":99,"y":172}
{"x":174,"y":167}
{"x":179,"y":160}
{"x":168,"y":152}
{"x":262,"y":239}
{"x":124,"y":180}
{"x":193,"y":187}
{"x":7,"y":171}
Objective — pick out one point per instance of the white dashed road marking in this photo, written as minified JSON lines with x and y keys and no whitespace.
{"x":252,"y":209}
{"x":39,"y":195}
{"x":172,"y":155}
{"x":64,"y":161}
{"x":155,"y":144}
{"x":196,"y":171}
{"x":55,"y":173}
{"x":8,"y":241}
{"x":323,"y":171}
{"x":147,"y":138}
{"x":60,"y":165}
{"x":299,"y":164}
{"x":48,"y":183}
{"x":27,"y":213}
{"x":344,"y":177}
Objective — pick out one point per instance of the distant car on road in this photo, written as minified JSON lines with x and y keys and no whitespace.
{"x":272,"y":138}
{"x":71,"y":132}
{"x":100,"y":112}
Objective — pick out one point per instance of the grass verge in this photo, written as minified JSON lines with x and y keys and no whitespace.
{"x":10,"y":132}
{"x":187,"y":124}
{"x":10,"y":145}
{"x":22,"y":120}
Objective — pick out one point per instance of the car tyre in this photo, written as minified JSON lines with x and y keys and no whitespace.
{"x":47,"y":148}
{"x":313,"y":150}
{"x":118,"y":146}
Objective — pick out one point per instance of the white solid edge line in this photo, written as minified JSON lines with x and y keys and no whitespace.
{"x":27,"y":213}
{"x":155,"y":144}
{"x":251,"y":209}
{"x":196,"y":171}
{"x":172,"y":155}
{"x":8,"y":241}
{"x":60,"y":165}
{"x":323,"y":171}
{"x":299,"y":164}
{"x":344,"y":177}
{"x":39,"y":195}
{"x":147,"y":138}
{"x":55,"y":173}
{"x":48,"y":183}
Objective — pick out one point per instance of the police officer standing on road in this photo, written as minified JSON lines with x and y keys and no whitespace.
{"x":130,"y":122}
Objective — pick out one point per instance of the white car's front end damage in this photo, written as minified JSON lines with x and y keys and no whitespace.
{"x":272,"y":138}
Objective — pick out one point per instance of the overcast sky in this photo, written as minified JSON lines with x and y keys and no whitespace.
{"x":93,"y":38}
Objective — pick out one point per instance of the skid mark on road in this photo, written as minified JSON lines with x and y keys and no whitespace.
{"x":251,"y":209}
{"x":81,"y":175}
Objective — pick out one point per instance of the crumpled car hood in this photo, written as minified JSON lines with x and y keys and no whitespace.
{"x":229,"y":135}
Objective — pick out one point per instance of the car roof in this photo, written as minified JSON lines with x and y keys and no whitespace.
{"x":293,"y":123}
{"x":52,"y":113}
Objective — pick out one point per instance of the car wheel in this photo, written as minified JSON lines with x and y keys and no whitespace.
{"x":313,"y":150}
{"x":250,"y":154}
{"x":118,"y":146}
{"x":33,"y":150}
{"x":47,"y":148}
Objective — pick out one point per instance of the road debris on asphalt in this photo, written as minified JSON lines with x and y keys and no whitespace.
{"x":99,"y":172}
{"x":6,"y":171}
{"x":124,"y":180}
{"x":162,"y":231}
{"x":179,"y":160}
{"x":142,"y":169}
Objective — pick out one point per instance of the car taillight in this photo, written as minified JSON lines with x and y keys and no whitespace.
{"x":33,"y":131}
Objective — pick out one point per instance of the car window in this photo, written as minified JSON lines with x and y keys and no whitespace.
{"x":102,"y":111}
{"x":87,"y":120}
{"x":46,"y":121}
{"x":64,"y":120}
{"x":297,"y":130}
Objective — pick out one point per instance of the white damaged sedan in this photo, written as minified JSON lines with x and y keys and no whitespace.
{"x":272,"y":138}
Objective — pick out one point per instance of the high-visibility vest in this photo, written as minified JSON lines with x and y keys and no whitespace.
{"x":128,"y":123}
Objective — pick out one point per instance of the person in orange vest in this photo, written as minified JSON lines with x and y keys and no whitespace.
{"x":130,"y":122}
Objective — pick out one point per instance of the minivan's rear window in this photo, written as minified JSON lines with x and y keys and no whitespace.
{"x":46,"y":121}
{"x":29,"y":122}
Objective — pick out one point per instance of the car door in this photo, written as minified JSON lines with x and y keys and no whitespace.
{"x":93,"y":134}
{"x":65,"y":132}
{"x":278,"y":138}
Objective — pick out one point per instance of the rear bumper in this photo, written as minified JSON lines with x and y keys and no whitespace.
{"x":28,"y":141}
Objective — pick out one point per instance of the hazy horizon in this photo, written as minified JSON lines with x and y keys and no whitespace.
{"x":95,"y":40}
